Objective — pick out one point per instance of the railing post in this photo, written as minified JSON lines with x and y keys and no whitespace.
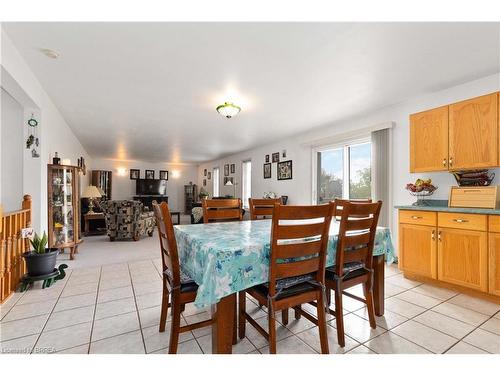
{"x":26,"y":205}
{"x":7,"y":284}
{"x":2,"y":269}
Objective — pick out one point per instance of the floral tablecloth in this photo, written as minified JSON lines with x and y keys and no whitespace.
{"x":224,"y":258}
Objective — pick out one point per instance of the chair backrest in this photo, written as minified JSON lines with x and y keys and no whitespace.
{"x":356,"y":238}
{"x":340,"y":205}
{"x":299,"y":239}
{"x":222,"y":210}
{"x":261,"y":208}
{"x":168,"y":243}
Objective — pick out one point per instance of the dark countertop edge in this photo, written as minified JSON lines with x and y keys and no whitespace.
{"x":464,"y":210}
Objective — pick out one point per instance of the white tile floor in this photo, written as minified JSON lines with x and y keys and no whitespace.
{"x":115,"y":308}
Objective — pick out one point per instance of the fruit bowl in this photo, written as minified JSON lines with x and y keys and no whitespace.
{"x":421,"y":189}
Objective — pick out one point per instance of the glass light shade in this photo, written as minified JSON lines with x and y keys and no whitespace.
{"x":91,"y":191}
{"x":228,"y":110}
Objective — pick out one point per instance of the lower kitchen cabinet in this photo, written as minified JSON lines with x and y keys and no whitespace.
{"x":494,"y":263}
{"x":462,"y":257}
{"x":420,"y":249}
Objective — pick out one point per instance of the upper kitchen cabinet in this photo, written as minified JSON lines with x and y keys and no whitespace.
{"x":473,"y":133}
{"x":429,"y":140}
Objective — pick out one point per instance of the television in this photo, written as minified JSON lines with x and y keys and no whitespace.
{"x":150,"y":187}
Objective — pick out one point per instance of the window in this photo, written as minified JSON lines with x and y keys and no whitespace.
{"x":215,"y":182}
{"x":343,"y":172}
{"x":246,"y":182}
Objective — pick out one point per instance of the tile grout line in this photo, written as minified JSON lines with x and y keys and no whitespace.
{"x":474,"y":330}
{"x":50,"y":314}
{"x":137,"y":308}
{"x":423,"y":312}
{"x":95,"y":310}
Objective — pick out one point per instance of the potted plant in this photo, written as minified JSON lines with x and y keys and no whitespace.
{"x":41,"y":260}
{"x":203,"y":194}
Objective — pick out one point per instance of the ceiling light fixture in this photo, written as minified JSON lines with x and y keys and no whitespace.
{"x":228,"y":110}
{"x":50,"y":53}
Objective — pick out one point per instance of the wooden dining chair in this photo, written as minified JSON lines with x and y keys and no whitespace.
{"x":339,"y":205}
{"x":354,"y":259}
{"x":222,"y":210}
{"x":177,"y":286}
{"x":262,"y":208}
{"x":299,"y":239}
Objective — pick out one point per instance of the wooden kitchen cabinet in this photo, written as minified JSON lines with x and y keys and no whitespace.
{"x":420,"y":249}
{"x":462,"y":257}
{"x":473,"y":133}
{"x":429,"y":140}
{"x":494,"y":264}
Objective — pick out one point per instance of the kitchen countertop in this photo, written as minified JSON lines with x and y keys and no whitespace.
{"x":442,"y":206}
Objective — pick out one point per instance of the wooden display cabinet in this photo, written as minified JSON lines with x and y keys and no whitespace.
{"x":63,"y":207}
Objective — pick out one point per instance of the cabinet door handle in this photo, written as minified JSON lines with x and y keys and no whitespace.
{"x":444,"y":162}
{"x":460,"y":221}
{"x":450,"y":162}
{"x":439,"y":235}
{"x":416,"y":217}
{"x":433,"y":235}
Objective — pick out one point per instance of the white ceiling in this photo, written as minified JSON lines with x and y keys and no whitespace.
{"x":148,"y":91}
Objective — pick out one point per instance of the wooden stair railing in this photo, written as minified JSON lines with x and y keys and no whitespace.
{"x":12,"y":247}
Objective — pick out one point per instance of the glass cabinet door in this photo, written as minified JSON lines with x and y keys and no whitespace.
{"x":62,"y":206}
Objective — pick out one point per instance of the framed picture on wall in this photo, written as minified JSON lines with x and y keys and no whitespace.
{"x":276,"y":157}
{"x":228,"y":179}
{"x":135,"y":174}
{"x":204,"y":172}
{"x":209,"y":175}
{"x":267,"y":170}
{"x":164,"y":175}
{"x":267,"y":158}
{"x":149,"y":174}
{"x":285,"y":170}
{"x":204,"y":182}
{"x":233,"y":168}
{"x":226,"y":169}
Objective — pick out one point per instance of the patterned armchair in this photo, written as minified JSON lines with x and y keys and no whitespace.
{"x":127,"y":219}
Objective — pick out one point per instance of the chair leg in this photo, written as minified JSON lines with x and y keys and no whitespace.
{"x":284,"y":316}
{"x":322,"y":324}
{"x":328,"y":293}
{"x":370,"y":307}
{"x":339,"y":315}
{"x":272,"y":329}
{"x":164,"y":308}
{"x":297,"y":314}
{"x":176,"y":323}
{"x":242,"y":300}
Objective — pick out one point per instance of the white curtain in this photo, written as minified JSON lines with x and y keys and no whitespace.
{"x":381,"y":173}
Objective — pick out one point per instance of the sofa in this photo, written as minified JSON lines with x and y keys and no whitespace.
{"x":127,"y":219}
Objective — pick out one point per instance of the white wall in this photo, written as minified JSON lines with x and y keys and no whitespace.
{"x":55,"y":134}
{"x":299,"y":147}
{"x":12,"y":152}
{"x":124,"y":188}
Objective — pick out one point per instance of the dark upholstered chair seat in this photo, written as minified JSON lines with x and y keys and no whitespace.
{"x":351,"y":270}
{"x":289,"y":286}
{"x":187,"y":284}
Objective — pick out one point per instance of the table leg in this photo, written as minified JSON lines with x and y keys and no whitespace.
{"x":223,"y":324}
{"x":378,"y":284}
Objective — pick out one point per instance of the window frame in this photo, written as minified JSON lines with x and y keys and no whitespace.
{"x":215,"y":181}
{"x":243,"y":188}
{"x":345,"y":146}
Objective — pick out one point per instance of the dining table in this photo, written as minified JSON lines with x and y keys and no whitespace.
{"x":228,"y":257}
